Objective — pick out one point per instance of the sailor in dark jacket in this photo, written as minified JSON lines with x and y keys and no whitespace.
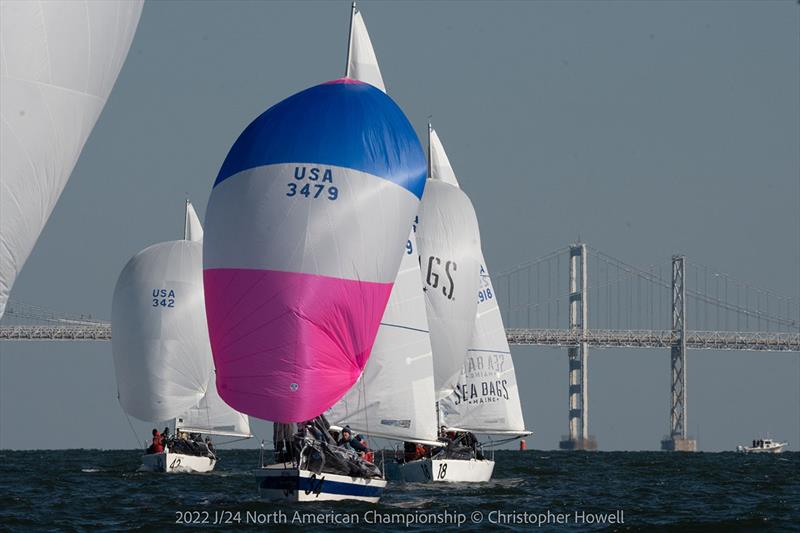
{"x":348,"y":442}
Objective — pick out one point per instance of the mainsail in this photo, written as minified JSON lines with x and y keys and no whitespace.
{"x":192,"y":229}
{"x":486,"y":399}
{"x":362,"y":64}
{"x":449,"y":249}
{"x":394,"y":397}
{"x":58,"y":64}
{"x":304,"y":238}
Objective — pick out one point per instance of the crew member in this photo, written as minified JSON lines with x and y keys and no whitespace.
{"x":349,"y":443}
{"x":157,"y":446}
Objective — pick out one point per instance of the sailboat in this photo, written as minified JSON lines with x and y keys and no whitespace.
{"x":401,"y":363}
{"x":162,"y":355}
{"x":395,"y":396}
{"x":58,"y":64}
{"x":449,"y":248}
{"x":305,"y":232}
{"x":483,"y":398}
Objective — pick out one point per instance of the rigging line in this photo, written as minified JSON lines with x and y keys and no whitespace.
{"x":366,"y":403}
{"x":231,"y":441}
{"x":130,"y":424}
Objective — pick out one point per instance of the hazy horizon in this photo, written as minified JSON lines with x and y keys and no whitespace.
{"x":644,"y":128}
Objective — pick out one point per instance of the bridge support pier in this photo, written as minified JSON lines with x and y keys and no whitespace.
{"x":678,"y":440}
{"x":578,"y":438}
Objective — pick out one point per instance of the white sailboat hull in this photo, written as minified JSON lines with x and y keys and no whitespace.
{"x":276,"y":482}
{"x":775,"y":448}
{"x":176,"y":463}
{"x":446,"y":470}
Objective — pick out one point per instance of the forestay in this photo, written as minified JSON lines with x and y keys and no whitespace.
{"x":449,"y":249}
{"x":58,"y":64}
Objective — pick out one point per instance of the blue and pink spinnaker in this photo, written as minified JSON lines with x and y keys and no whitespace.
{"x":305,"y":231}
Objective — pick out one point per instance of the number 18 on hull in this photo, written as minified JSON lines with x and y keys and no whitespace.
{"x":446,"y":470}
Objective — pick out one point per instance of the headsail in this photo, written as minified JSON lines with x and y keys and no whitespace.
{"x":304,"y":236}
{"x":486,"y":399}
{"x":449,"y":248}
{"x":58,"y":64}
{"x":394,"y":397}
{"x":362,"y":64}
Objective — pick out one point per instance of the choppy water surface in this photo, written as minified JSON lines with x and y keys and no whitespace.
{"x":91,"y":489}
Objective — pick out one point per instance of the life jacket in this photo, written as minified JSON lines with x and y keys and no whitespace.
{"x":420,"y":451}
{"x":158,"y":447}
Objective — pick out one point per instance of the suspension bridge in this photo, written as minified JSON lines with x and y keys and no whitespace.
{"x":578,"y":297}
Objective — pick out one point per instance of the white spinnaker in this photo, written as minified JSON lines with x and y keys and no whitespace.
{"x":192,"y":229}
{"x":362,"y":64}
{"x":58,"y":63}
{"x":162,"y":354}
{"x":486,"y":399}
{"x":213,"y":416}
{"x":394,"y":397}
{"x":450,"y":250}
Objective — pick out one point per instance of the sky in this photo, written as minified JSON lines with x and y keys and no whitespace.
{"x":644,"y":128}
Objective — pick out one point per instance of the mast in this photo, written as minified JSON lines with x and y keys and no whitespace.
{"x":430,"y":128}
{"x":186,"y":221}
{"x":350,"y":41}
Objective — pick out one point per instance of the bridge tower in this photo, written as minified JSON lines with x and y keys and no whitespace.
{"x":678,"y":440}
{"x":578,"y":438}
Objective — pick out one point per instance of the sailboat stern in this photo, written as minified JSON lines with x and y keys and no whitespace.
{"x":276,"y":482}
{"x":176,"y":463}
{"x":446,"y":470}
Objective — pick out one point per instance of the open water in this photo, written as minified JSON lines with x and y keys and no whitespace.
{"x":531,"y":491}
